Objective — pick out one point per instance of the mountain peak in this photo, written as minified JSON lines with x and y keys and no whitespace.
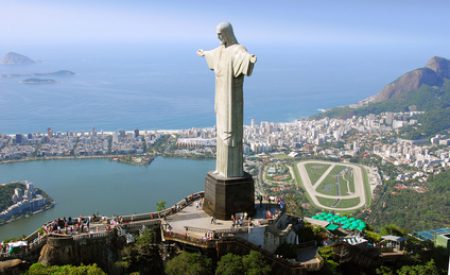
{"x":433,"y":74}
{"x":440,"y":65}
{"x":13,"y":58}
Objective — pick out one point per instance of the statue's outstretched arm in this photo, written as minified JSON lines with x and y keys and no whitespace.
{"x":200,"y":52}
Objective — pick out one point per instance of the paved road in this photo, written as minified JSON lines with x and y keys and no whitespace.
{"x":311,"y":189}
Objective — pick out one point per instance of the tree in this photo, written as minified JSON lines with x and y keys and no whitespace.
{"x":143,"y":256}
{"x":255,"y":264}
{"x":145,"y":238}
{"x":392,"y":229}
{"x":384,"y":270}
{"x":160,"y":205}
{"x":230,"y":264}
{"x":372,"y":236}
{"x":39,"y":269}
{"x":149,"y":259}
{"x":190,"y":264}
{"x":429,"y":268}
{"x":331,"y":266}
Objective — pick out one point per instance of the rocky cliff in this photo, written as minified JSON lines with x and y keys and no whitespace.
{"x":64,"y":250}
{"x":433,"y":74}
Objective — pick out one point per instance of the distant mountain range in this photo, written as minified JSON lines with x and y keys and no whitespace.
{"x":422,"y":89}
{"x":433,"y":74}
{"x":13,"y":58}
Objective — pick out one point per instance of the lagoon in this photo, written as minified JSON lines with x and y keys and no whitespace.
{"x":87,"y":186}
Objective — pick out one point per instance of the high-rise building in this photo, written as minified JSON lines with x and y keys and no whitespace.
{"x":50,"y":132}
{"x":115,"y":137}
{"x":19,"y":138}
{"x":136,"y":133}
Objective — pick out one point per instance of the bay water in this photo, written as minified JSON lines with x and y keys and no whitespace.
{"x":88,"y":186}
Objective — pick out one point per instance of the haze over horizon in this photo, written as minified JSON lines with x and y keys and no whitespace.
{"x":134,"y":58}
{"x":306,"y":23}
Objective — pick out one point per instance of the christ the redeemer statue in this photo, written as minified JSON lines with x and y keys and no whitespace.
{"x":230,"y":63}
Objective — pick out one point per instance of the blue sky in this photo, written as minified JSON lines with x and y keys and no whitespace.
{"x":307,"y":23}
{"x":311,"y":54}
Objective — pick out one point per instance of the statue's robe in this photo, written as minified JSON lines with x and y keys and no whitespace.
{"x":230,"y":64}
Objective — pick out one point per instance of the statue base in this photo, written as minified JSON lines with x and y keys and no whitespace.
{"x":227,"y":196}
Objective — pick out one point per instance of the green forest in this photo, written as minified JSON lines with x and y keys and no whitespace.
{"x":431,"y":123}
{"x":412,"y":210}
{"x":426,"y":98}
{"x":6,"y":191}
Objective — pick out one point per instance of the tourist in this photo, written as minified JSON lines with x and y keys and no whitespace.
{"x":88,"y":223}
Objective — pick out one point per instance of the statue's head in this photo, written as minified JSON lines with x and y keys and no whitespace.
{"x":225,"y":34}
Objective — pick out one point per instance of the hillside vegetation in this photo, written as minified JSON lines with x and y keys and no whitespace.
{"x":6,"y":192}
{"x":412,"y":210}
{"x":413,"y":91}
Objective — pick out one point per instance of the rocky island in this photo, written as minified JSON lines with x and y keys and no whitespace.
{"x":38,"y":81}
{"x":13,"y":58}
{"x":19,"y":199}
{"x":60,"y":73}
{"x":134,"y":160}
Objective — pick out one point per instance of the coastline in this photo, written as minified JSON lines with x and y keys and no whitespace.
{"x":110,"y":156}
{"x":63,"y":158}
{"x":29,"y":214}
{"x":50,"y":203}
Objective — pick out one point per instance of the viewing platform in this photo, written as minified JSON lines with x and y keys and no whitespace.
{"x":184,"y":223}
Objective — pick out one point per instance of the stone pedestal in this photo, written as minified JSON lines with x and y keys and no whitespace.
{"x":227,"y":196}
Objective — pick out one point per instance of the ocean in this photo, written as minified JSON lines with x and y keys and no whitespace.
{"x":169,"y":87}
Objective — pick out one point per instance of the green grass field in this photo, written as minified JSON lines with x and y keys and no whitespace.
{"x":285,"y":177}
{"x":298,"y":179}
{"x":367,"y":191}
{"x":329,"y":186}
{"x":343,"y":203}
{"x":350,"y":188}
{"x":315,"y":170}
{"x":281,"y":156}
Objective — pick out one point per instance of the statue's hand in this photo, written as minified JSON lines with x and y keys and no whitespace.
{"x":253,"y":58}
{"x":200,"y":52}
